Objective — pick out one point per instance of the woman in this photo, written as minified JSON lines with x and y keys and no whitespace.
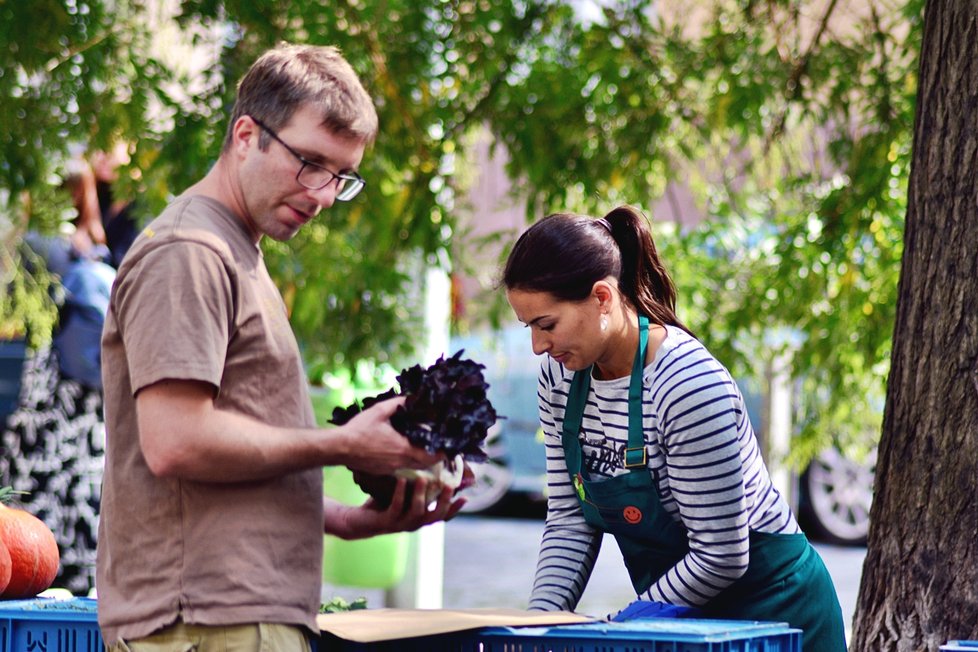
{"x":648,"y":439}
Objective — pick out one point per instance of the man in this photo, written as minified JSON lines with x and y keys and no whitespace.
{"x":212,"y":507}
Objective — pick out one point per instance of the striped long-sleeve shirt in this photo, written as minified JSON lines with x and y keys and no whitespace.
{"x":704,"y":459}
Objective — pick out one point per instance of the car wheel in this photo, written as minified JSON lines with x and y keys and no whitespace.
{"x":493,"y":478}
{"x":836,"y":495}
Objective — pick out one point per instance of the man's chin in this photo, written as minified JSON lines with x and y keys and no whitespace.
{"x":283,"y":234}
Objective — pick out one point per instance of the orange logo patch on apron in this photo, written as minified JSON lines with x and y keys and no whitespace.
{"x":632,"y":514}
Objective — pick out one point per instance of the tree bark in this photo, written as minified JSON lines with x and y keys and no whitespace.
{"x":920,"y":579}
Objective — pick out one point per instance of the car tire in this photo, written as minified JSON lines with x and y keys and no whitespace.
{"x":493,"y":478}
{"x":835,"y":498}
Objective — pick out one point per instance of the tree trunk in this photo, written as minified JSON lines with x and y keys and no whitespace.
{"x":920,"y":580}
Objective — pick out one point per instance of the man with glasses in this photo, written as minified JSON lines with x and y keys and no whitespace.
{"x":212,"y":513}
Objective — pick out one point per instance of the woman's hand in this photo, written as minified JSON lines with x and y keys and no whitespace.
{"x":402,"y":515}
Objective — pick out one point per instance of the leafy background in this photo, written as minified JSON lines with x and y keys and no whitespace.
{"x":788,"y":121}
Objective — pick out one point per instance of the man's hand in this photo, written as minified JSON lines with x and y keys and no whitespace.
{"x":402,"y":515}
{"x":375,"y":447}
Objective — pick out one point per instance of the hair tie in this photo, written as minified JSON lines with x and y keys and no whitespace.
{"x":605,"y":223}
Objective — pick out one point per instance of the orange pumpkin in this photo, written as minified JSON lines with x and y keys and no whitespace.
{"x":4,"y":568}
{"x":34,"y":555}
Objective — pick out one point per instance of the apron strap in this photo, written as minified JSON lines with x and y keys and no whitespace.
{"x":573,"y":418}
{"x":635,"y":453}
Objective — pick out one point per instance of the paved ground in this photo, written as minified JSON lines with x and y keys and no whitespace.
{"x":490,"y":562}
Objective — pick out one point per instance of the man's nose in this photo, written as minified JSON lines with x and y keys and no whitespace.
{"x":325,"y":196}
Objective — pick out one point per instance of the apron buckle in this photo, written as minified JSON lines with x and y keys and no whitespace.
{"x":632,"y":453}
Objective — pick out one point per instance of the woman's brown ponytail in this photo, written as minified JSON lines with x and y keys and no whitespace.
{"x":644,"y":279}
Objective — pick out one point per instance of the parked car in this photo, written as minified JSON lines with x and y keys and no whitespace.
{"x":832,"y":495}
{"x":517,"y":465}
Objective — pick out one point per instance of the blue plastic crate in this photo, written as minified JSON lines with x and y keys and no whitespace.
{"x":642,"y":635}
{"x":50,"y":625}
{"x":645,"y":635}
{"x":960,"y":646}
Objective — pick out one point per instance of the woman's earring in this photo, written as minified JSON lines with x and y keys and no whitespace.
{"x":604,"y":323}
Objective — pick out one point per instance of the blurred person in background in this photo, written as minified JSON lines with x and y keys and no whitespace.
{"x":53,"y":442}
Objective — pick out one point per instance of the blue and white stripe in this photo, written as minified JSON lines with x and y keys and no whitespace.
{"x":702,"y":453}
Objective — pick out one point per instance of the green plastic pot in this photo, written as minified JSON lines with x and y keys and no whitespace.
{"x":375,"y":563}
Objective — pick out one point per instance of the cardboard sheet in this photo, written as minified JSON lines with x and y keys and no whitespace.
{"x":371,"y":625}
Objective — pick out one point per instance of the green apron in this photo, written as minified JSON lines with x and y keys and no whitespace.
{"x":785,"y":581}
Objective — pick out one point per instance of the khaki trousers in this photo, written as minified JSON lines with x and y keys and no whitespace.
{"x":180,"y":637}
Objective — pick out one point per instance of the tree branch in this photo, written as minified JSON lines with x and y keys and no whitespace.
{"x":793,"y":87}
{"x":475,"y":108}
{"x":56,"y":62}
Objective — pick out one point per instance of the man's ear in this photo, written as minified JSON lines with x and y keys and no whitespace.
{"x":244,"y":134}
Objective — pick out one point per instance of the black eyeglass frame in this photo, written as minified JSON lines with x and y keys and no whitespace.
{"x":355,"y":181}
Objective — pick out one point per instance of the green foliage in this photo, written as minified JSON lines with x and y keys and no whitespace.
{"x":338,"y":604}
{"x":27,"y":308}
{"x":350,"y":279}
{"x":825,"y":187}
{"x":342,"y":387}
{"x":7,"y":494}
{"x":29,"y":302}
{"x":789,"y":122}
{"x":70,"y":73}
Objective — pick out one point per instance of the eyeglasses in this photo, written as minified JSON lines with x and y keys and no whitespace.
{"x":315,"y":177}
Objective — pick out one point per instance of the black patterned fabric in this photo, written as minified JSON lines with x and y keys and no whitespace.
{"x":53,"y":447}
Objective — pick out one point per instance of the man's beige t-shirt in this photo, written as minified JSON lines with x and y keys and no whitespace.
{"x":193,"y":300}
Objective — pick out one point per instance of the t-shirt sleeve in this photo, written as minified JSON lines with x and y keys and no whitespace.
{"x":175,"y":312}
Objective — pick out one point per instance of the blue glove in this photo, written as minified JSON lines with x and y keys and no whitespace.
{"x":653,"y":609}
